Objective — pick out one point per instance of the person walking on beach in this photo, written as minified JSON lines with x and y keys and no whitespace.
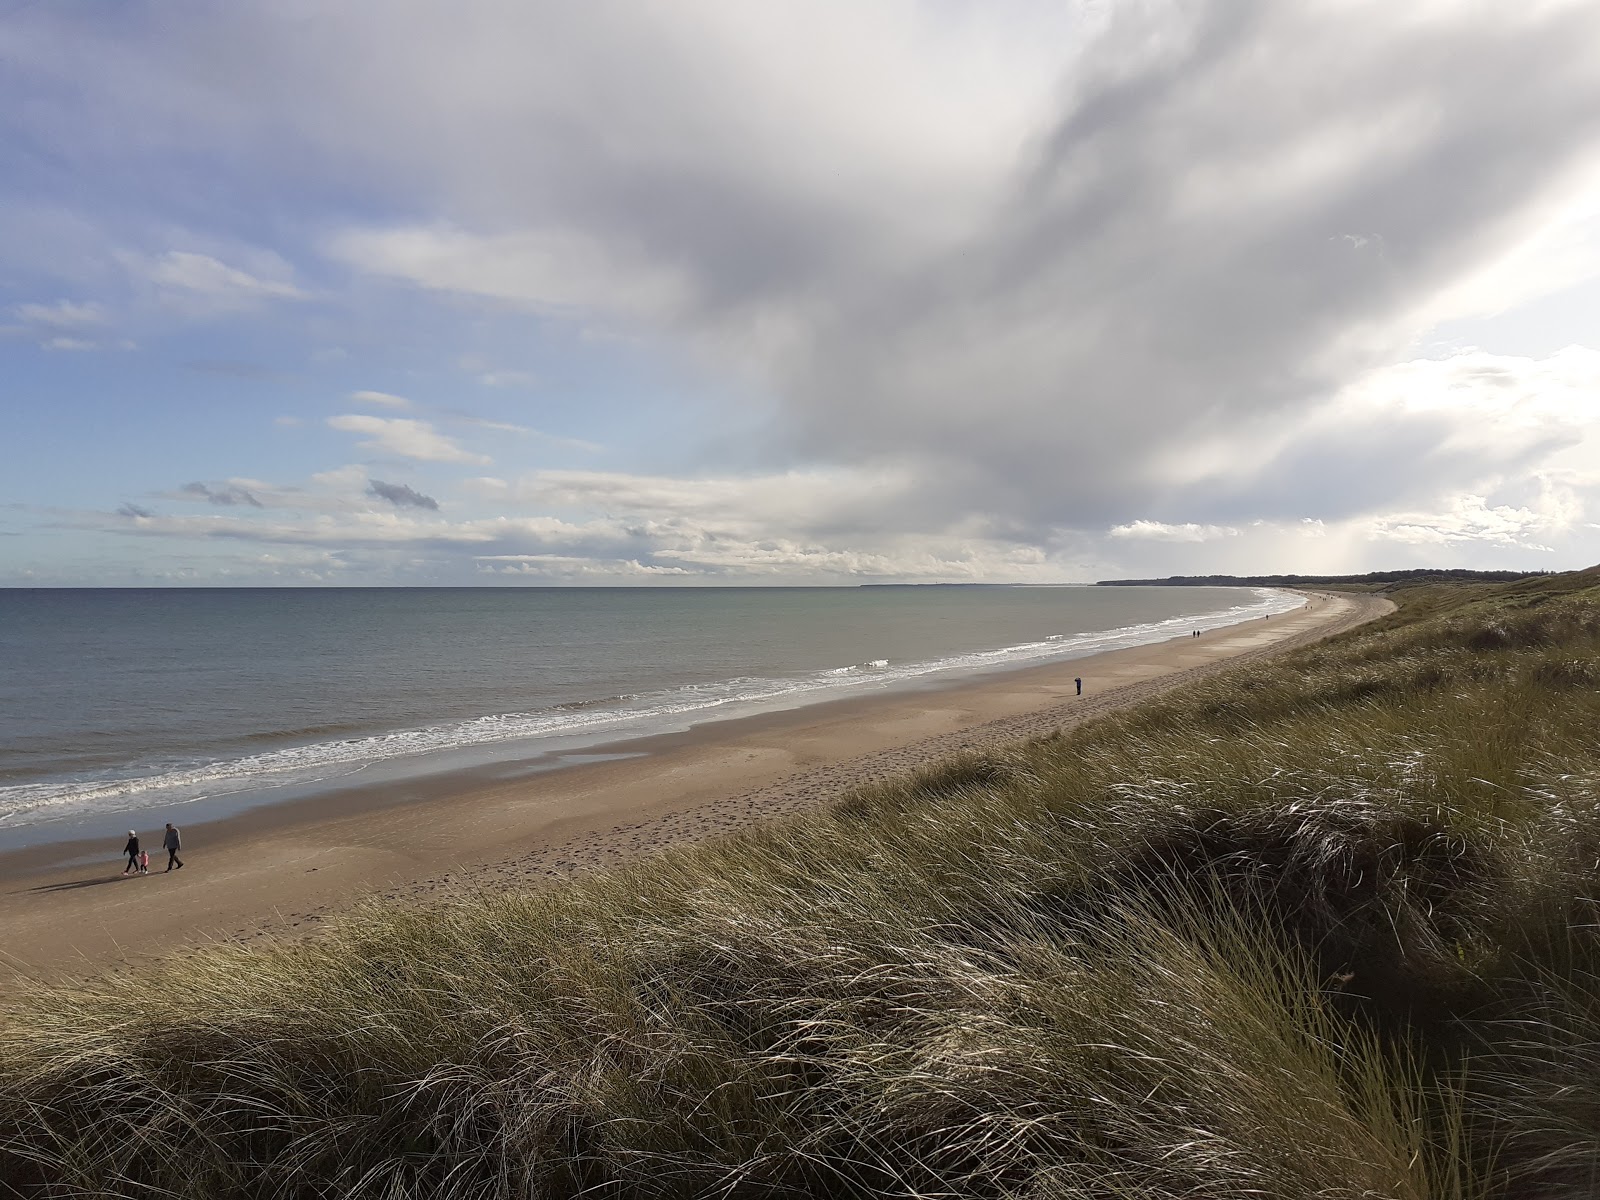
{"x":1079,"y":682}
{"x":171,"y":843}
{"x":132,"y":851}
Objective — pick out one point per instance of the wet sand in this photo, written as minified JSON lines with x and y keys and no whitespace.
{"x":284,"y":868}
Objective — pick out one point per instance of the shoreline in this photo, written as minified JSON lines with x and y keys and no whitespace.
{"x":234,"y":771}
{"x":282,"y":868}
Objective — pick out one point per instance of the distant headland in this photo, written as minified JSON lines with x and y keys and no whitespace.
{"x":1372,"y":578}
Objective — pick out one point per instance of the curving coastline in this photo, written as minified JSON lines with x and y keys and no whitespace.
{"x":281,"y":870}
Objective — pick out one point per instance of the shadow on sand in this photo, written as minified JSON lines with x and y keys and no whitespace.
{"x":80,"y":883}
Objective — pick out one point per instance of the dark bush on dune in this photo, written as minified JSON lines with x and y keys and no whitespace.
{"x":1379,"y":898}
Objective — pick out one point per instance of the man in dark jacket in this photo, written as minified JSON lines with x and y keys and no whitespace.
{"x":170,"y":843}
{"x":132,"y":851}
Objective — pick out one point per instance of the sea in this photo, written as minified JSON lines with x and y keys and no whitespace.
{"x":115,"y":703}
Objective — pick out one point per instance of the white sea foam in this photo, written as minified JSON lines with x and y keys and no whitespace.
{"x":621,"y":716}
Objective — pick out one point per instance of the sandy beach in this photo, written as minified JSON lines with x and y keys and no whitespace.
{"x":282,"y":869}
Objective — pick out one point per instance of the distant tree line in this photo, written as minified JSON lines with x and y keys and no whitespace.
{"x":1421,"y":575}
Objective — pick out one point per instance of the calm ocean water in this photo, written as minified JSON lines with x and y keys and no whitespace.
{"x":116,"y":701}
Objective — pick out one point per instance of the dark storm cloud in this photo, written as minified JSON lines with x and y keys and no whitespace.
{"x":401,"y":495}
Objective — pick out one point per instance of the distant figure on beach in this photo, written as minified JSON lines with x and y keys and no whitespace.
{"x":171,"y":843}
{"x":144,"y":862}
{"x":1079,"y":682}
{"x":132,"y":851}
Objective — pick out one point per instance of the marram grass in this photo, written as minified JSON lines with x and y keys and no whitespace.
{"x":1322,"y":927}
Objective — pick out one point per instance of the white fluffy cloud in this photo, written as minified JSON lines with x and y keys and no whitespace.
{"x":1472,"y":519}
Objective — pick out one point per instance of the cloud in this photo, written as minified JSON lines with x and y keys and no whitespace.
{"x":567,"y":568}
{"x":451,"y":414}
{"x":553,"y":439}
{"x":1220,"y":219}
{"x":62,"y":314}
{"x":226,"y":497}
{"x":211,"y":277}
{"x":388,"y":400}
{"x":65,"y":325}
{"x":1472,"y":519}
{"x":343,"y":491}
{"x":556,"y":272}
{"x":404,"y":437}
{"x":134,"y":511}
{"x":779,"y":528}
{"x":382,"y":399}
{"x":1414,"y":433}
{"x":714,"y":529}
{"x":1022,"y":288}
{"x":199,"y":285}
{"x":401,"y":495}
{"x":812,"y":504}
{"x":666,"y":547}
{"x":1149,"y":286}
{"x":1157,"y":531}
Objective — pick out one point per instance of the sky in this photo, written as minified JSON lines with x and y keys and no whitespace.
{"x":786,"y":292}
